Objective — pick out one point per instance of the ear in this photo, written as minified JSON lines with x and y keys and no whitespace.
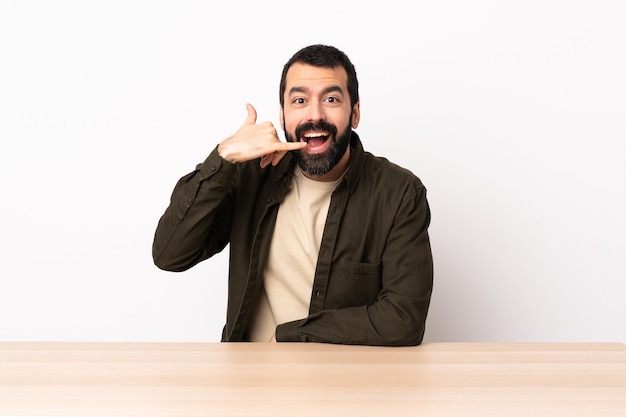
{"x":281,"y":117}
{"x":356,"y":114}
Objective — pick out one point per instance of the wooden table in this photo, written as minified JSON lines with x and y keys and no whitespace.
{"x":252,"y":379}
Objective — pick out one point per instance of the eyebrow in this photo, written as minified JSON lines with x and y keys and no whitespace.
{"x":305,"y":90}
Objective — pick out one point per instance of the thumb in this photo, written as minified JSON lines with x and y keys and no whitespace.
{"x":251,"y":117}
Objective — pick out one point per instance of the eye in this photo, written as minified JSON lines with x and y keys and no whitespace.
{"x":332,"y":100}
{"x":298,"y":100}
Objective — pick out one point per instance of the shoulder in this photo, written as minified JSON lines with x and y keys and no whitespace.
{"x":380,"y":171}
{"x":373,"y":173}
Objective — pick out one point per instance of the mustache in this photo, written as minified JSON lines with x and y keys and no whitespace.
{"x":311,"y":126}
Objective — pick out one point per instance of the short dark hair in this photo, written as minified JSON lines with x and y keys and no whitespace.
{"x":327,"y":57}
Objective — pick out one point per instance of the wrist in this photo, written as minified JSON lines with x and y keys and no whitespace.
{"x":222,"y":151}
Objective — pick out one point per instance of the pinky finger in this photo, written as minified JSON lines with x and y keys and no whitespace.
{"x":277,"y":156}
{"x":266,"y":160}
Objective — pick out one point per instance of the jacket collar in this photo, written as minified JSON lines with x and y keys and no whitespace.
{"x":357,"y":161}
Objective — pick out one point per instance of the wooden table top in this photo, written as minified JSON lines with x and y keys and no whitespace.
{"x":308,"y":379}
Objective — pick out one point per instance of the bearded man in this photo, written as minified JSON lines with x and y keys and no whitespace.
{"x":328,"y":243}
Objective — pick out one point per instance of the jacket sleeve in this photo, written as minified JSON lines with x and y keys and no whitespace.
{"x":196,"y":224}
{"x":398,"y":316}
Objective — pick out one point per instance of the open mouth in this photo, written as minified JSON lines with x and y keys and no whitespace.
{"x":319,"y":136}
{"x":315,"y":139}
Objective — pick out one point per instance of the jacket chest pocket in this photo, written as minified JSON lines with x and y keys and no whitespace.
{"x":353,"y":284}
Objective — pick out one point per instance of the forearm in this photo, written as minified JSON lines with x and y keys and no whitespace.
{"x":380,"y":324}
{"x":195,"y":224}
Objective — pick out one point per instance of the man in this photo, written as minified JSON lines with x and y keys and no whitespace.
{"x":328,"y":243}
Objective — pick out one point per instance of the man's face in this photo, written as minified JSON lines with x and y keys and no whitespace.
{"x":317,"y":110}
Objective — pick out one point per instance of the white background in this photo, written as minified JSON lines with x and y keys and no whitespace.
{"x":513,"y":114}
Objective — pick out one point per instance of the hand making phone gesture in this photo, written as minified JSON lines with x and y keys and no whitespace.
{"x":254,"y":140}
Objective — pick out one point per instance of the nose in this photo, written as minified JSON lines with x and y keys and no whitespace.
{"x":315,"y":112}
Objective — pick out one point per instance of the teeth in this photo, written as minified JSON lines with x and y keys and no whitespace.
{"x":315,"y":135}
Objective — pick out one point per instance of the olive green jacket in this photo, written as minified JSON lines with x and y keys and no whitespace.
{"x":374,"y":274}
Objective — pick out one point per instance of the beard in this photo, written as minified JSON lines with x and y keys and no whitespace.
{"x":321,"y":163}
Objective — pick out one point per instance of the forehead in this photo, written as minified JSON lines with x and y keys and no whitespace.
{"x":312,"y":77}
